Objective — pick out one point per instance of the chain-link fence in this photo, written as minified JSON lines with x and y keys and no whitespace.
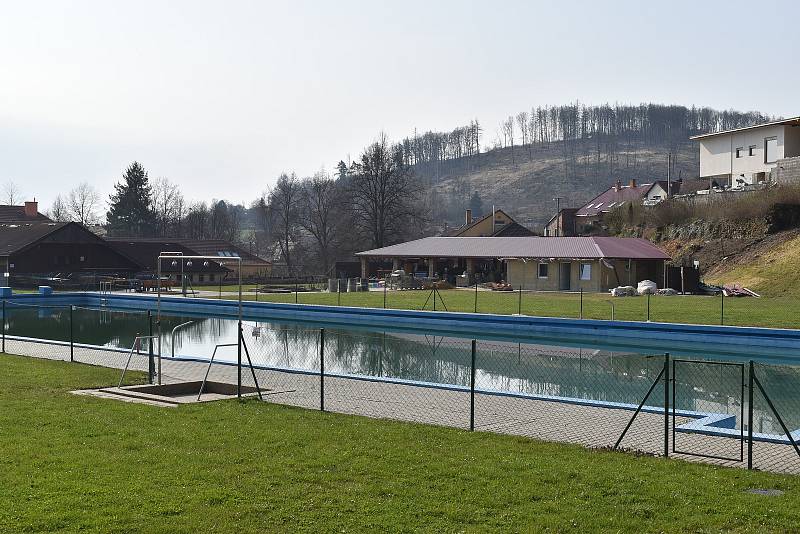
{"x":736,"y":413}
{"x":772,"y":312}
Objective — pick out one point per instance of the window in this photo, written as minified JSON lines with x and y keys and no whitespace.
{"x":770,"y":150}
{"x":752,"y":150}
{"x":739,"y":152}
{"x":543,"y":270}
{"x":586,"y":271}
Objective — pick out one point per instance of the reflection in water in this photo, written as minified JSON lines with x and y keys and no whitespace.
{"x":584,"y":372}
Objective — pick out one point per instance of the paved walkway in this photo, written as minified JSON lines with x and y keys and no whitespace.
{"x":590,"y":426}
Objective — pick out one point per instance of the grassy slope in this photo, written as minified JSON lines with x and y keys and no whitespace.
{"x":776,"y":312}
{"x":79,"y":463}
{"x":769,"y":270}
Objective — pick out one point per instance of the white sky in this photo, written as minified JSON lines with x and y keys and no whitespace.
{"x":221,"y":97}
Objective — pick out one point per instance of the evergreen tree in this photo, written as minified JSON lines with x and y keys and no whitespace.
{"x":341,"y":170}
{"x":130,"y":213}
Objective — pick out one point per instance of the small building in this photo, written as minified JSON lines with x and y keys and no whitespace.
{"x":618,"y":195}
{"x":145,"y":252}
{"x":535,"y":263}
{"x":497,"y":224}
{"x":252,"y":265}
{"x":562,"y":224}
{"x":29,"y":212}
{"x":752,"y":155}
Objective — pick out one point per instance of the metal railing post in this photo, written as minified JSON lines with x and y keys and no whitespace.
{"x":750,"y":416}
{"x":239,"y":362}
{"x":472,"y":389}
{"x":72,"y":335}
{"x":322,"y":369}
{"x":666,"y":405}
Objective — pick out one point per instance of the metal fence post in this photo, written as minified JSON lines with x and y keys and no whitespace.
{"x":666,"y":405}
{"x":322,"y":369}
{"x":750,"y":416}
{"x":472,"y":389}
{"x":4,"y":325}
{"x":581,"y":313}
{"x":295,"y":292}
{"x":385,"y":282}
{"x":71,"y":334}
{"x":476,"y":296}
{"x":722,"y":308}
{"x":239,"y":362}
{"x":150,"y":361}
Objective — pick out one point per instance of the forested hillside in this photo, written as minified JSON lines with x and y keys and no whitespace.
{"x":572,"y":152}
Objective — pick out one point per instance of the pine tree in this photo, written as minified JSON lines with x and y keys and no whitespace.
{"x":130,"y":213}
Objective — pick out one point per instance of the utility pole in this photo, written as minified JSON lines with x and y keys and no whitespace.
{"x":558,"y":218}
{"x":669,"y":174}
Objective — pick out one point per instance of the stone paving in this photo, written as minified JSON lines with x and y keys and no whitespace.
{"x":589,"y":426}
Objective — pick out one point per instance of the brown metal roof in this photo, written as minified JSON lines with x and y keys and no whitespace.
{"x":522,"y":247}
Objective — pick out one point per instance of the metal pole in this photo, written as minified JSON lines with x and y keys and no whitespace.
{"x":472,"y":390}
{"x":648,"y":307}
{"x":150,"y":344}
{"x":519,"y":299}
{"x":322,"y":369}
{"x":476,"y":296}
{"x":750,"y":417}
{"x":581,"y":316}
{"x":4,"y":325}
{"x":72,"y":335}
{"x":239,"y":362}
{"x":385,"y":281}
{"x":434,"y":296}
{"x":666,"y":405}
{"x":295,"y":292}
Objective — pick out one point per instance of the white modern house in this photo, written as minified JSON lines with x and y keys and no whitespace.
{"x":752,"y":155}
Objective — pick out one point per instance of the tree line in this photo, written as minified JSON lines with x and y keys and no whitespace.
{"x":305,"y":224}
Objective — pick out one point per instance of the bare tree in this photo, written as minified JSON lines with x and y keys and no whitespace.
{"x":321,"y":215}
{"x":508,"y":132}
{"x":82,"y":203}
{"x":59,"y":211}
{"x":283,"y":203}
{"x":168,"y":207}
{"x":384,"y":194}
{"x":11,"y":193}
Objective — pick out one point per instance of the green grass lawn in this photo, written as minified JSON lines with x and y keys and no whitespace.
{"x":72,"y":463}
{"x":780,"y":312}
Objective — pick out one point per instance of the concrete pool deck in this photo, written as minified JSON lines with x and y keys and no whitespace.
{"x":590,"y":426}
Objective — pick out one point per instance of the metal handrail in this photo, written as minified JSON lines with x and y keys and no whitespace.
{"x":172,"y":342}
{"x":136,"y":341}
{"x":208,"y":370}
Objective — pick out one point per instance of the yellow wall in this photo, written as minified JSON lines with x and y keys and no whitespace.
{"x":484,"y":227}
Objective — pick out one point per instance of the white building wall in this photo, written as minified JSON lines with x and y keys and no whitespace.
{"x":718,"y":153}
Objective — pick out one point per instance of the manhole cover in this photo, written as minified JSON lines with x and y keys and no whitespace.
{"x":769,"y":492}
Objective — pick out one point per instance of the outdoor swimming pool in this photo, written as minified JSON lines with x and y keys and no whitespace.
{"x":570,"y":369}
